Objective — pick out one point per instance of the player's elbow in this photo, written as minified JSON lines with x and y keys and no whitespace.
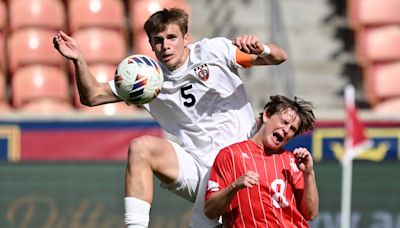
{"x":310,"y":216}
{"x":90,"y":102}
{"x":282,"y":57}
{"x":209,"y":211}
{"x":278,"y":55}
{"x":210,"y":215}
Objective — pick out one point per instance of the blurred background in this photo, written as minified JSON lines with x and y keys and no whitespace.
{"x":62,"y":164}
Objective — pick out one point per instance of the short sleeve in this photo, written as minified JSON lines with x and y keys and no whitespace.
{"x":220,"y":175}
{"x":225,"y":50}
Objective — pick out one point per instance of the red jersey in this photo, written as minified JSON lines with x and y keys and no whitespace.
{"x":271,"y":203}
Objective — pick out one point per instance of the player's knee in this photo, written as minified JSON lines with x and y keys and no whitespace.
{"x":140,"y":149}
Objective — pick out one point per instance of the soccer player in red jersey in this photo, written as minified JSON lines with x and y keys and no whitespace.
{"x":257,"y":183}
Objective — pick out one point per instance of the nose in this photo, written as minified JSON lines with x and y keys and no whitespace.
{"x":286,"y":129}
{"x":165,"y":44}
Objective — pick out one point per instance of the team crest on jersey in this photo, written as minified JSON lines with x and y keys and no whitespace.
{"x":202,"y":72}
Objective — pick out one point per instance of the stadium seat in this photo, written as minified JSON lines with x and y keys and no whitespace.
{"x":140,"y":10}
{"x":96,"y":13}
{"x":5,"y":107}
{"x":3,"y":31}
{"x":32,"y":46}
{"x":3,"y":15}
{"x":46,"y":106}
{"x":111,"y":109}
{"x":390,"y":106}
{"x":141,"y":45}
{"x":373,"y":12}
{"x":381,"y":81}
{"x":3,"y":88}
{"x":378,"y":44}
{"x":101,"y":45}
{"x":37,"y":82}
{"x":48,"y":14}
{"x":103,"y":72}
{"x":2,"y":51}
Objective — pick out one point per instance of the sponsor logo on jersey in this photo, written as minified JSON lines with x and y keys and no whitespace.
{"x":202,"y":72}
{"x":245,"y":155}
{"x":212,"y":186}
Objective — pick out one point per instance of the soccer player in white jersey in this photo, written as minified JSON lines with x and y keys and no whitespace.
{"x":257,"y":183}
{"x":202,"y":103}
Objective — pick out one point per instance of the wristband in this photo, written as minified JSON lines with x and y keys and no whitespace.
{"x":266,"y":52}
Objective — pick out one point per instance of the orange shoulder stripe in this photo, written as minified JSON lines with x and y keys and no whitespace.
{"x":243,"y":58}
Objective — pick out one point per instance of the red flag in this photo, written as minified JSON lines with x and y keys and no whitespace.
{"x":356,"y":142}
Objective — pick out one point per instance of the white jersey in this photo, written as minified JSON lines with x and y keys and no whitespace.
{"x":203,"y":103}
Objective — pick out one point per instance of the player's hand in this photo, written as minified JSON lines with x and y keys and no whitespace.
{"x":304,"y":160}
{"x":66,"y":45}
{"x":249,"y":44}
{"x":247,"y":180}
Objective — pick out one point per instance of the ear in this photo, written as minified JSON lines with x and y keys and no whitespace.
{"x":186,"y":39}
{"x":266,"y":116}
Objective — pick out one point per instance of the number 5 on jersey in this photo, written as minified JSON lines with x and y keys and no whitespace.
{"x":189,"y":98}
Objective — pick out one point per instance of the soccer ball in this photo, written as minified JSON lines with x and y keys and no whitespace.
{"x":138,"y":79}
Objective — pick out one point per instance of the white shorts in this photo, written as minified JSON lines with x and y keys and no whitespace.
{"x":191,"y":185}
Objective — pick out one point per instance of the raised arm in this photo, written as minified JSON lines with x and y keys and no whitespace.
{"x":91,"y":92}
{"x":217,"y":203}
{"x":262,"y":54}
{"x":309,"y":202}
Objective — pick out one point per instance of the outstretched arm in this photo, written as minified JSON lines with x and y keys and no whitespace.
{"x":261,"y":54}
{"x":309,"y":202}
{"x":217,"y":203}
{"x":91,"y":92}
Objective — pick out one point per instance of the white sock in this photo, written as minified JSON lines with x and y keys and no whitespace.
{"x":137,"y":213}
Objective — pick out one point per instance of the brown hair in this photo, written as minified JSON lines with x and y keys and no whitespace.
{"x":160,"y":19}
{"x":304,"y":110}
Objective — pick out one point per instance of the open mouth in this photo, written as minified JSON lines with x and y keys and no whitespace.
{"x":166,"y":57}
{"x":278,"y":136}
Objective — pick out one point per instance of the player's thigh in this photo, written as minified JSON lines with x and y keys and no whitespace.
{"x":158,"y":153}
{"x":190,"y":173}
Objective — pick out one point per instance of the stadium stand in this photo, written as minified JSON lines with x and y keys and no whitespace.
{"x":3,"y":33}
{"x":46,"y":14}
{"x":89,"y":193}
{"x":32,"y":46}
{"x":4,"y":104}
{"x":2,"y":52}
{"x":47,"y":106}
{"x":101,"y":45}
{"x":103,"y":72}
{"x":5,"y":107}
{"x":140,"y":10}
{"x":96,"y":13}
{"x":36,"y":82}
{"x":3,"y":92}
{"x":378,"y":44}
{"x":382,"y":81}
{"x":376,"y":25}
{"x":140,"y":44}
{"x":111,"y":109}
{"x":388,"y":107}
{"x":3,"y":15}
{"x":372,"y":12}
